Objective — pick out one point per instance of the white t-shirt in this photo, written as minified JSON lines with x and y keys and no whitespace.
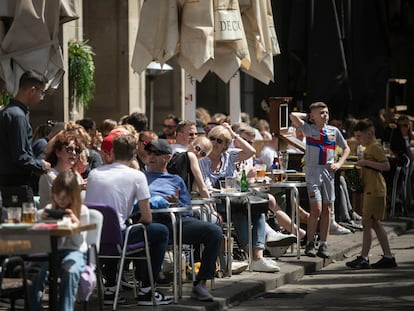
{"x":76,"y":241}
{"x":45,"y":186}
{"x":119,"y":186}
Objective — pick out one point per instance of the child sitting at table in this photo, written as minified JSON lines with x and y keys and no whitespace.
{"x":66,"y":195}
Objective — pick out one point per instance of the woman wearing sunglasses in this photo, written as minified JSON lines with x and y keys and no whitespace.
{"x":62,"y":155}
{"x":221,"y":162}
{"x":185,"y":164}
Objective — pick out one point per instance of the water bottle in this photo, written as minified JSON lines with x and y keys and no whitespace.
{"x":275,"y":164}
{"x":360,"y":152}
{"x":244,"y":186}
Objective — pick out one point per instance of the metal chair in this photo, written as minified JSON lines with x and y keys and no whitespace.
{"x":115,"y":246}
{"x":13,"y":281}
{"x":400,"y":185}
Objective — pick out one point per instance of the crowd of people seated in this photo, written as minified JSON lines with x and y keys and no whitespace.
{"x":124,"y":164}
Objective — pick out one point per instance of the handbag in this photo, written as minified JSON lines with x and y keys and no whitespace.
{"x":258,"y":206}
{"x":16,"y":196}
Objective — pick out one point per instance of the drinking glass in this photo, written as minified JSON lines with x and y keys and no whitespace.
{"x":260,"y":172}
{"x":14,"y":215}
{"x":29,"y":213}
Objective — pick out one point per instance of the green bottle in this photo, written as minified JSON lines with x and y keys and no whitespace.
{"x":244,"y":185}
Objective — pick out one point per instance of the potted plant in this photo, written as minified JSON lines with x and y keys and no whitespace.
{"x":81,"y":74}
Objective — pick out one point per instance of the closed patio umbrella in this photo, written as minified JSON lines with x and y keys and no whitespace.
{"x":30,"y":39}
{"x":221,"y":36}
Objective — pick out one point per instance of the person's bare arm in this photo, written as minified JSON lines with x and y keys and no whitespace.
{"x":145,"y":210}
{"x":247,"y":150}
{"x":298,"y":118}
{"x":380,"y":166}
{"x":198,"y":176}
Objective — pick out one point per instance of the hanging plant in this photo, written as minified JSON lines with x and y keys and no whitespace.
{"x":81,"y":72}
{"x":4,"y":98}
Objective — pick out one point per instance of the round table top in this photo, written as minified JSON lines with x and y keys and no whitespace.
{"x":287,"y":184}
{"x":230,"y":194}
{"x":175,"y":209}
{"x":199,"y":201}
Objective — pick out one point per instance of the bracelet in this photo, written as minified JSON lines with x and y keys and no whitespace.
{"x":236,"y":136}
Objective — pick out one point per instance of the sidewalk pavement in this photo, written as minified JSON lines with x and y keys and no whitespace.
{"x":241,"y":287}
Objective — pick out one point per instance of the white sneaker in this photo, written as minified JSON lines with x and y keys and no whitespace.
{"x":277,"y":238}
{"x":263,"y":265}
{"x":238,"y":267}
{"x":277,"y":251}
{"x":338,"y":229}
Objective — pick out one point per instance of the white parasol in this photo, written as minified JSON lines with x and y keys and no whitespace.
{"x":221,"y":36}
{"x":30,"y":39}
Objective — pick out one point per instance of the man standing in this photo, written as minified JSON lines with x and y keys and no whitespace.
{"x":119,"y":186}
{"x":17,"y":162}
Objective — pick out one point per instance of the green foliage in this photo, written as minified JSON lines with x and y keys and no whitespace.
{"x":4,"y":98}
{"x":81,"y":72}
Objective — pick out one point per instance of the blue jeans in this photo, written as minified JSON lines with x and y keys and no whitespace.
{"x":72,"y":264}
{"x":239,"y":220}
{"x":197,"y":232}
{"x":258,"y":231}
{"x":158,"y":241}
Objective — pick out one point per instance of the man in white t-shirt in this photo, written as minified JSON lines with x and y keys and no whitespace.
{"x":120,"y":186}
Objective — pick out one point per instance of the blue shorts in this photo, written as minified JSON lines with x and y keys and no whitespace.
{"x":320,"y":184}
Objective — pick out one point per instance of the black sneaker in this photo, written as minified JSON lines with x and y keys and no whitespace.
{"x":385,"y":263}
{"x":310,"y":249}
{"x":358,"y":263}
{"x":109,"y":296}
{"x":145,"y":299}
{"x":323,"y":251}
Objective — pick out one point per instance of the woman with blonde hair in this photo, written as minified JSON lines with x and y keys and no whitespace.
{"x":222,"y":162}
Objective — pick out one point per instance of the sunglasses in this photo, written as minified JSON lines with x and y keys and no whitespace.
{"x":403,"y":125}
{"x":200,"y":152}
{"x":169,"y":126}
{"x":70,"y":149}
{"x":42,"y":93}
{"x":218,"y":140}
{"x":154,"y":152}
{"x":249,"y":141}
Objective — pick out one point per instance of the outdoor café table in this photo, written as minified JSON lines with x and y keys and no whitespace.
{"x":227,"y":196}
{"x":292,"y":186}
{"x":177,"y":242}
{"x":43,"y":239}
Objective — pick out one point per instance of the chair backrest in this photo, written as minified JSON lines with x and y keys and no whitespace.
{"x":111,"y":238}
{"x":94,"y":236}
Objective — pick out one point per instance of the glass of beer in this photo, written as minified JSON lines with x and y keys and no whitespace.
{"x":260,"y":172}
{"x":14,"y":215}
{"x":29,"y":213}
{"x":279,"y":175}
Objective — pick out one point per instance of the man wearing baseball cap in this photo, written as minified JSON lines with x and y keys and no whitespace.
{"x":173,"y":189}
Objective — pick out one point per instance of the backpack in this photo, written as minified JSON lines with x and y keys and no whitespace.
{"x":179,"y":165}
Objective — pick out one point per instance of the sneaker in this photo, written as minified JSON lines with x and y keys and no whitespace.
{"x":338,"y":229}
{"x":323,"y":251}
{"x":277,"y":251}
{"x":355,"y":216}
{"x":109,"y":296}
{"x":263,"y":265}
{"x":358,"y":263}
{"x":201,"y":293}
{"x":145,"y":298}
{"x":310,"y":249}
{"x":280,"y":239}
{"x":238,"y":267}
{"x":384,"y":263}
